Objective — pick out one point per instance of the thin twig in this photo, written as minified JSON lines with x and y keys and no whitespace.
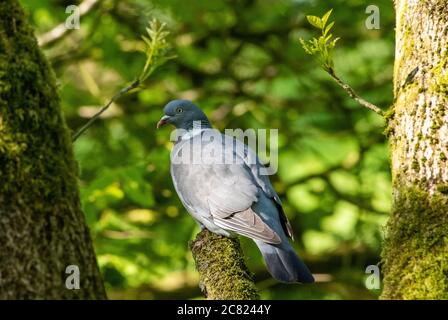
{"x":156,"y":51}
{"x":60,"y":31}
{"x":351,"y":92}
{"x":119,"y":94}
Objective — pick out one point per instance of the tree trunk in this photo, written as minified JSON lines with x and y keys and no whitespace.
{"x":223,"y":273}
{"x":415,"y":254}
{"x":42,"y":228}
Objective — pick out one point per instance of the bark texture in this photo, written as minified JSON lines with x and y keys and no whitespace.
{"x":42,"y":228}
{"x":222,"y":270}
{"x":415,"y":254}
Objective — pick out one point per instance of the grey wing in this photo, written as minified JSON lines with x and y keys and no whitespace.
{"x":253,"y":162}
{"x":208,"y":194}
{"x":230,"y":201}
{"x":222,"y":192}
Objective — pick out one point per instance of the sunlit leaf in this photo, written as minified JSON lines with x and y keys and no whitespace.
{"x":315,"y":21}
{"x":327,"y":28}
{"x":325,"y":18}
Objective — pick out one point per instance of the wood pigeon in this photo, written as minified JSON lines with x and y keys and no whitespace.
{"x":218,"y":180}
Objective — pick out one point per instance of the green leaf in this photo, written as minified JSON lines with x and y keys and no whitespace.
{"x":304,"y":46}
{"x":321,"y":47}
{"x":333,"y":43}
{"x":325,"y":18}
{"x":157,"y":49}
{"x":315,"y":21}
{"x":328,"y":28}
{"x":147,"y":41}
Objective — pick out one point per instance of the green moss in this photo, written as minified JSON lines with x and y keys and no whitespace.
{"x":407,"y":48}
{"x":415,"y":166}
{"x":439,"y":78}
{"x":433,"y":140}
{"x":42,"y":228}
{"x":389,"y":116}
{"x":29,"y":105}
{"x":415,"y":255}
{"x":415,"y":251}
{"x":389,"y":113}
{"x":443,"y":156}
{"x":435,"y":126}
{"x":223,"y":272}
{"x":443,"y":188}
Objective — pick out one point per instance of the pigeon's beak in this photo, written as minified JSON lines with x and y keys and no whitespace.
{"x":163,"y":121}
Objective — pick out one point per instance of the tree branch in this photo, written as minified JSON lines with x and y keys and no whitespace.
{"x":351,"y":92}
{"x":157,"y":52}
{"x":119,"y":94}
{"x":60,"y":31}
{"x":222,"y":270}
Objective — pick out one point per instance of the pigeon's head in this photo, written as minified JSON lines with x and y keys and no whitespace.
{"x":183,"y":114}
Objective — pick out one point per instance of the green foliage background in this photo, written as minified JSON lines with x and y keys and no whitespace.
{"x":242,"y":62}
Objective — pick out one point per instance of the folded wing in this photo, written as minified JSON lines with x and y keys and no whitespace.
{"x":228,"y":191}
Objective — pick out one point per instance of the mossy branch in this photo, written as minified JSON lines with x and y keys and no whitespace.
{"x":321,"y":49}
{"x":222,"y":270}
{"x":157,"y":51}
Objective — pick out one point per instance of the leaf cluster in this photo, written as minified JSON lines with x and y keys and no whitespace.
{"x":157,"y":48}
{"x":322,"y":47}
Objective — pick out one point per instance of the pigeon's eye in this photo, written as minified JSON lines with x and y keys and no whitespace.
{"x":179,"y":110}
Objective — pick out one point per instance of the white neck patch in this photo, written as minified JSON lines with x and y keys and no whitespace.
{"x":191,"y":133}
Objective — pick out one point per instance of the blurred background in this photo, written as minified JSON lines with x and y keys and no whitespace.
{"x":242,"y":63}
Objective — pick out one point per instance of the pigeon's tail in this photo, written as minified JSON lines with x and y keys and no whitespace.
{"x":283,"y":263}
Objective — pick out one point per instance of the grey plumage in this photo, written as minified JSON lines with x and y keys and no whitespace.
{"x":230,"y":198}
